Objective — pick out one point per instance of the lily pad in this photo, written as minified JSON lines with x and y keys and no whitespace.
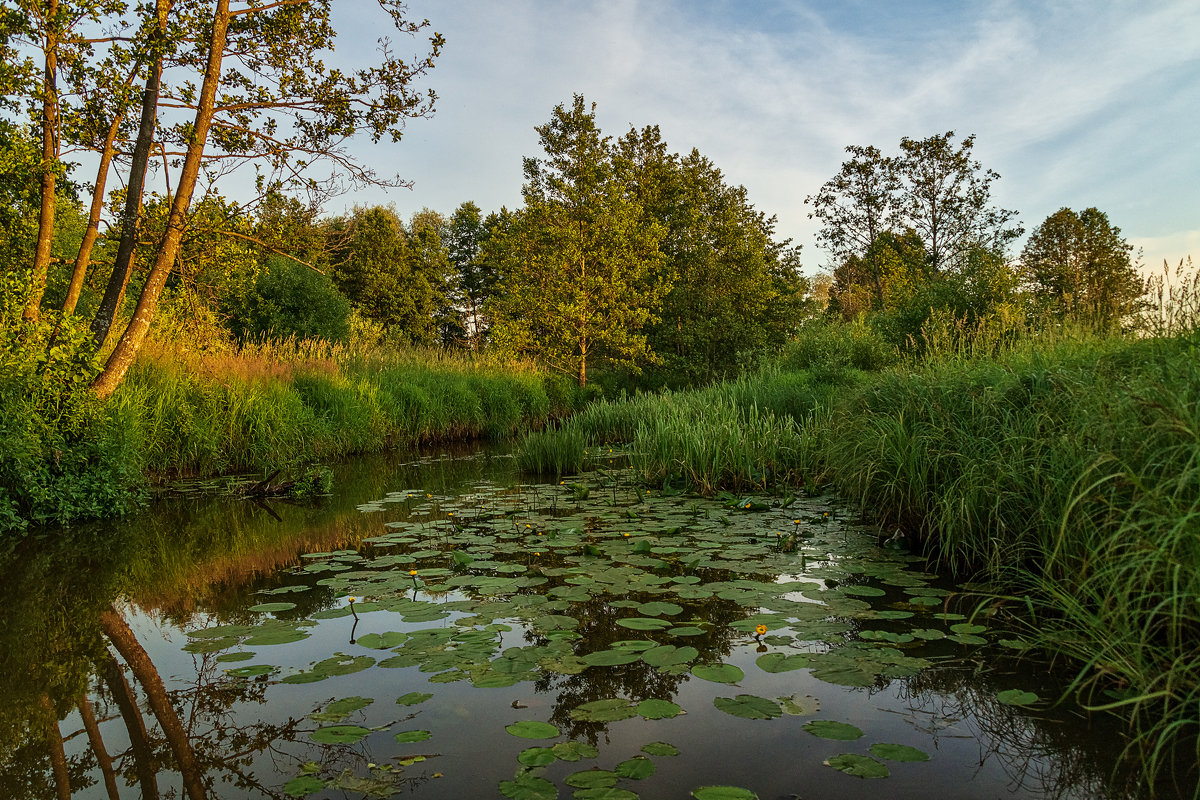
{"x":338,"y":734}
{"x":898,"y":752}
{"x":723,"y":793}
{"x":829,"y":729}
{"x":591,"y":779}
{"x":407,"y":737}
{"x":749,"y":706}
{"x":658,"y":709}
{"x":636,"y":768}
{"x":800,"y":705}
{"x":573,"y":751}
{"x":860,"y":766}
{"x":779,"y":662}
{"x":643,"y":623}
{"x":1017,"y":697}
{"x":272,"y":607}
{"x":668,"y":655}
{"x":660,"y":749}
{"x":610,"y":658}
{"x":303,"y":786}
{"x":718,"y":673}
{"x":532,"y":729}
{"x":609,"y":710}
{"x":412,"y":698}
{"x":528,"y":787}
{"x":537,"y":757}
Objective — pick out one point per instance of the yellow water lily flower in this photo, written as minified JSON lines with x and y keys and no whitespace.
{"x":760,"y":629}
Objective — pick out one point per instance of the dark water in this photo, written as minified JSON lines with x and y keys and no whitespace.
{"x":209,"y":647}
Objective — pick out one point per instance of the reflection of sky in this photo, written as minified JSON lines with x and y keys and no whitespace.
{"x":1075,"y":104}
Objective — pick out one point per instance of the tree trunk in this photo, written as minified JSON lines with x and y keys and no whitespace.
{"x":131,"y":340}
{"x":41,"y":258}
{"x":119,"y":633}
{"x":114,"y":292}
{"x":103,"y":760}
{"x":54,"y":743}
{"x":143,"y":758}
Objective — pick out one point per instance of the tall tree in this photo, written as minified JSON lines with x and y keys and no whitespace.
{"x":278,"y":106}
{"x":1082,"y":265}
{"x":466,"y":234}
{"x":581,"y":277}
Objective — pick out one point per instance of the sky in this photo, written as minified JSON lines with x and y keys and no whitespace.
{"x":1074,"y":104}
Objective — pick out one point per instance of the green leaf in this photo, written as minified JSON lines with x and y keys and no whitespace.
{"x":898,"y":752}
{"x":636,"y":768}
{"x":660,"y":749}
{"x":828,"y":729}
{"x":643,"y":623}
{"x":536,"y":757}
{"x":272,"y":607}
{"x":251,"y":672}
{"x":338,"y":734}
{"x":407,"y":737}
{"x":591,"y":779}
{"x":658,"y":608}
{"x":610,"y":658}
{"x":605,"y":793}
{"x":304,"y":785}
{"x":527,"y":787}
{"x":573,"y":751}
{"x":1017,"y":697}
{"x":531,"y":729}
{"x":800,"y":705}
{"x":860,"y":766}
{"x":778,"y":662}
{"x":667,"y":655}
{"x":608,"y":710}
{"x":718,"y":673}
{"x":658,"y":709}
{"x":412,"y":698}
{"x":723,"y":793}
{"x":749,"y":706}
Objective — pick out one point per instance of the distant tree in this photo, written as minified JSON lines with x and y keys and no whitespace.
{"x":374,"y":270}
{"x":945,"y":196}
{"x":292,"y":300}
{"x":428,"y":258}
{"x":1082,"y":266}
{"x":581,"y":262}
{"x":466,"y":234}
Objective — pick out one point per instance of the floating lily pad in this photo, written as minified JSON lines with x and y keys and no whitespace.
{"x":604,"y":793}
{"x":643,"y":623}
{"x":573,"y":751}
{"x":228,"y":657}
{"x":898,"y":752}
{"x":718,"y":673}
{"x":272,"y":607}
{"x":591,"y":779}
{"x":528,"y":787}
{"x":303,"y":786}
{"x":749,"y":706}
{"x":251,"y":672}
{"x":338,"y":710}
{"x":668,"y":655}
{"x":278,"y":636}
{"x":723,"y":793}
{"x":610,"y":658}
{"x":1017,"y":697}
{"x":382,"y":641}
{"x":532,"y":729}
{"x":412,"y":698}
{"x":658,"y":608}
{"x":407,"y":737}
{"x":657,"y":709}
{"x":829,"y":729}
{"x":860,"y":766}
{"x":660,"y":749}
{"x":609,"y":710}
{"x":779,"y":662}
{"x":636,"y":768}
{"x":800,"y":705}
{"x":536,"y":757}
{"x":687,"y":630}
{"x":338,"y":734}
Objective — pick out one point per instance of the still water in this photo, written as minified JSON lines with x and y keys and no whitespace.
{"x":445,"y":628}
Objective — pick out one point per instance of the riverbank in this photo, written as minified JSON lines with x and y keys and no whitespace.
{"x":1062,"y":472}
{"x":185,"y":412}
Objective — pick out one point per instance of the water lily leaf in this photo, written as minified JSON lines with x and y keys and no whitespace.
{"x":829,"y":729}
{"x":860,"y":766}
{"x":966,"y":627}
{"x":244,"y":655}
{"x":779,"y":662}
{"x":591,"y":779}
{"x":610,"y":658}
{"x":1017,"y":697}
{"x":251,"y":672}
{"x":966,"y":638}
{"x":528,"y":787}
{"x":636,"y":768}
{"x":412,"y":698}
{"x":210,"y":645}
{"x":667,"y":655}
{"x":277,"y":636}
{"x":272,"y":607}
{"x":531,"y":729}
{"x":573,"y":751}
{"x":338,"y":734}
{"x":660,"y":749}
{"x":338,"y":710}
{"x":658,"y":709}
{"x":749,"y":706}
{"x":800,"y":705}
{"x":928,"y":634}
{"x":302,"y":786}
{"x":609,"y":710}
{"x":382,"y":641}
{"x":863,"y":591}
{"x":723,"y":793}
{"x":605,"y":793}
{"x":844,"y":675}
{"x":686,"y":630}
{"x":658,"y":608}
{"x":643,"y":623}
{"x":718,"y":673}
{"x":536,"y":757}
{"x":898,"y":752}
{"x":633,"y":644}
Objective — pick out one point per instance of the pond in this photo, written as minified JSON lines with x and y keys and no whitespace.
{"x":444,"y":628}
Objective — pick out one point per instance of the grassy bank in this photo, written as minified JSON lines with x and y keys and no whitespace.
{"x":1065,"y":470}
{"x":185,"y":412}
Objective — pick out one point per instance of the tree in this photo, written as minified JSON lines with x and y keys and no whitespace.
{"x":466,"y":235}
{"x":581,"y":263}
{"x":276,"y":104}
{"x":1080,"y":263}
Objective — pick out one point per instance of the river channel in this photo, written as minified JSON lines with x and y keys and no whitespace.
{"x":445,"y":627}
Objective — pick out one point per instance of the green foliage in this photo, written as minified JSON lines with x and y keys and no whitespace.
{"x":294,"y":301}
{"x":1081,"y":267}
{"x":580,"y":262}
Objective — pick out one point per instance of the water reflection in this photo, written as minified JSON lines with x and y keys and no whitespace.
{"x":102,"y":694}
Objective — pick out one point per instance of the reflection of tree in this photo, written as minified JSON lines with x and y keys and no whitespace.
{"x":54,"y":743}
{"x":103,"y":760}
{"x":139,"y":741}
{"x":636,"y":681}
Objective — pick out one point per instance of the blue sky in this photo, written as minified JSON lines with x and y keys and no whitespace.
{"x":1074,"y":103}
